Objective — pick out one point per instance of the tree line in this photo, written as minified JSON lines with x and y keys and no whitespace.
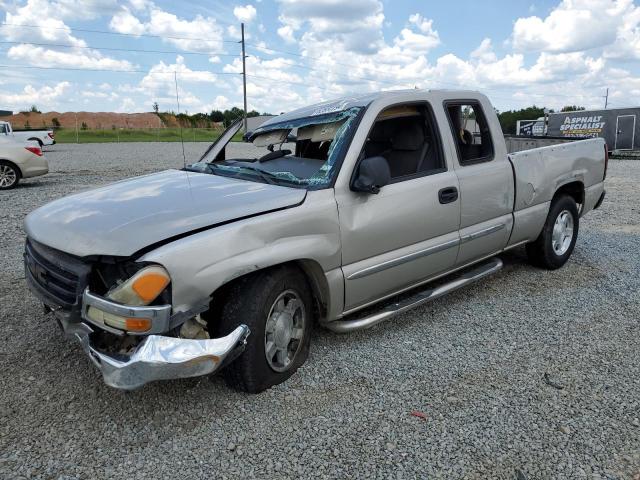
{"x":226,"y":117}
{"x":509,"y":119}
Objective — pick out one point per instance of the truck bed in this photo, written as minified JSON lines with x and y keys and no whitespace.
{"x":540,"y":172}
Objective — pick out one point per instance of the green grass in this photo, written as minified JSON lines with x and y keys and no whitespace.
{"x":140,"y":135}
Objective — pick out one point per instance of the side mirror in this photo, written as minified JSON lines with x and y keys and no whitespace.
{"x":373,"y":174}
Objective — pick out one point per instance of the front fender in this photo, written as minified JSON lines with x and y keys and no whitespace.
{"x":201,"y":263}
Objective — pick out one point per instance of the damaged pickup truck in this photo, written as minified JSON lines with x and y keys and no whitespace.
{"x":229,"y":261}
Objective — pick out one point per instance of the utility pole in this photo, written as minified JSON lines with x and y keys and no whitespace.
{"x":606,"y":99}
{"x":244,"y":80}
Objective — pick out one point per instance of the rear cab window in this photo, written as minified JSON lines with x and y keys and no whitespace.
{"x":470,"y":131}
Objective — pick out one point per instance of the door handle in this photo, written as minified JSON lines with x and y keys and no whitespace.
{"x":448,"y":195}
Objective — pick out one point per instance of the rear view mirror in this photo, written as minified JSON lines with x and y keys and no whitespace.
{"x":373,"y":174}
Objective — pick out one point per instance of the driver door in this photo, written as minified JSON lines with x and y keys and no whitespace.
{"x":408,"y":232}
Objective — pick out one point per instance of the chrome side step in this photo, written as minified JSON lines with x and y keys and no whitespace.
{"x":484,"y":270}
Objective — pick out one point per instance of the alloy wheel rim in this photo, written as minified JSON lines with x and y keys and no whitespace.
{"x":7,"y":176}
{"x":562,"y":235}
{"x":284,"y":330}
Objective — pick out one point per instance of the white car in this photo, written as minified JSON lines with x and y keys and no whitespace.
{"x":18,"y":161}
{"x":41,"y":137}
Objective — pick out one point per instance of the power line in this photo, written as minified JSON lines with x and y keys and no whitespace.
{"x":264,"y":49}
{"x":105,"y":32}
{"x":268,"y":50}
{"x":75,"y":69}
{"x":344,"y":75}
{"x":289,"y":82}
{"x":177,"y":52}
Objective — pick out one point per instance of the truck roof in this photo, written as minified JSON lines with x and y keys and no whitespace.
{"x":345,"y":103}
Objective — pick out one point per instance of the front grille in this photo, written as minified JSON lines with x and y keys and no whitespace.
{"x":56,"y":277}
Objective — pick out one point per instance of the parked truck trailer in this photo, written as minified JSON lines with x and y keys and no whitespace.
{"x":619,"y":127}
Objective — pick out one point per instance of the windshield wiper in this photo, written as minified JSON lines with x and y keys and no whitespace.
{"x":268,"y":177}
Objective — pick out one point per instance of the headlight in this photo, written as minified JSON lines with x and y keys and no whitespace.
{"x":139,"y":290}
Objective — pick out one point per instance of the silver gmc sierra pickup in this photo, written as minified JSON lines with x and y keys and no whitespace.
{"x":229,"y":261}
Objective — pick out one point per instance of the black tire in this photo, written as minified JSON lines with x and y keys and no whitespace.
{"x":541,"y":252}
{"x":9,"y":175}
{"x":249,"y":301}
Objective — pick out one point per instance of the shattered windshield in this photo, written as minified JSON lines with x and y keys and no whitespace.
{"x":304,"y":152}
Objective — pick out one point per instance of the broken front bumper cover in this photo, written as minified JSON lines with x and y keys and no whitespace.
{"x":158,"y":357}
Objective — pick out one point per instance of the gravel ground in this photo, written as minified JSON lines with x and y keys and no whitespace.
{"x":474,"y":363}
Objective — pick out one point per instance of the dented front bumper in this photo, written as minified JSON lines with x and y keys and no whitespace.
{"x":158,"y":357}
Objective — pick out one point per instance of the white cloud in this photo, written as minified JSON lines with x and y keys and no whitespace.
{"x":245,"y":14}
{"x":574,"y":25}
{"x":125,"y":22}
{"x":354,"y":25}
{"x":184,"y":34}
{"x":417,"y":42}
{"x":84,"y":9}
{"x":75,"y":58}
{"x":43,"y":15}
{"x":45,"y":97}
{"x":484,"y":53}
{"x":128,"y":105}
{"x":161,"y":76}
{"x":286,"y":33}
{"x":568,"y":54}
{"x":219,"y":103}
{"x":48,"y":18}
{"x":235,"y":33}
{"x":275,"y":69}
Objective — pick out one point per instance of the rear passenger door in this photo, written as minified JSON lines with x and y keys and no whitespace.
{"x":486,"y":181}
{"x":408,"y":232}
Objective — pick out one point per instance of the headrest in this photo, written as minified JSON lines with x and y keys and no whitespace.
{"x":380,"y":133}
{"x":411,"y":138}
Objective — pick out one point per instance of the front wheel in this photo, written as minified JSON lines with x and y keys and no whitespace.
{"x":9,"y":175}
{"x":276,"y":305}
{"x":556,"y":242}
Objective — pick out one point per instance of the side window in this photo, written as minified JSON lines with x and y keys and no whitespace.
{"x":470,"y":132}
{"x":406,"y":137}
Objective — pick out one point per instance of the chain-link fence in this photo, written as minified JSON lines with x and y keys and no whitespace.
{"x":117,"y":135}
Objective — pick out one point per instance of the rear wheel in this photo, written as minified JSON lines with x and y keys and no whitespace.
{"x":556,"y":242}
{"x":276,"y":305}
{"x":9,"y":175}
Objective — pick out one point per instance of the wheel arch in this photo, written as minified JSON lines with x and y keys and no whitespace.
{"x":13,"y":164}
{"x":574,"y":189}
{"x":310,"y":268}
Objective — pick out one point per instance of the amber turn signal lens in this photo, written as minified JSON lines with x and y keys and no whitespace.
{"x":137,"y":324}
{"x":150,"y":285}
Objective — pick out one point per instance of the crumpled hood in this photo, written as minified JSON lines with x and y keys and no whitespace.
{"x":124,"y":217}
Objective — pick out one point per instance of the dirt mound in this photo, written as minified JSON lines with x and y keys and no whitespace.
{"x":93,"y":120}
